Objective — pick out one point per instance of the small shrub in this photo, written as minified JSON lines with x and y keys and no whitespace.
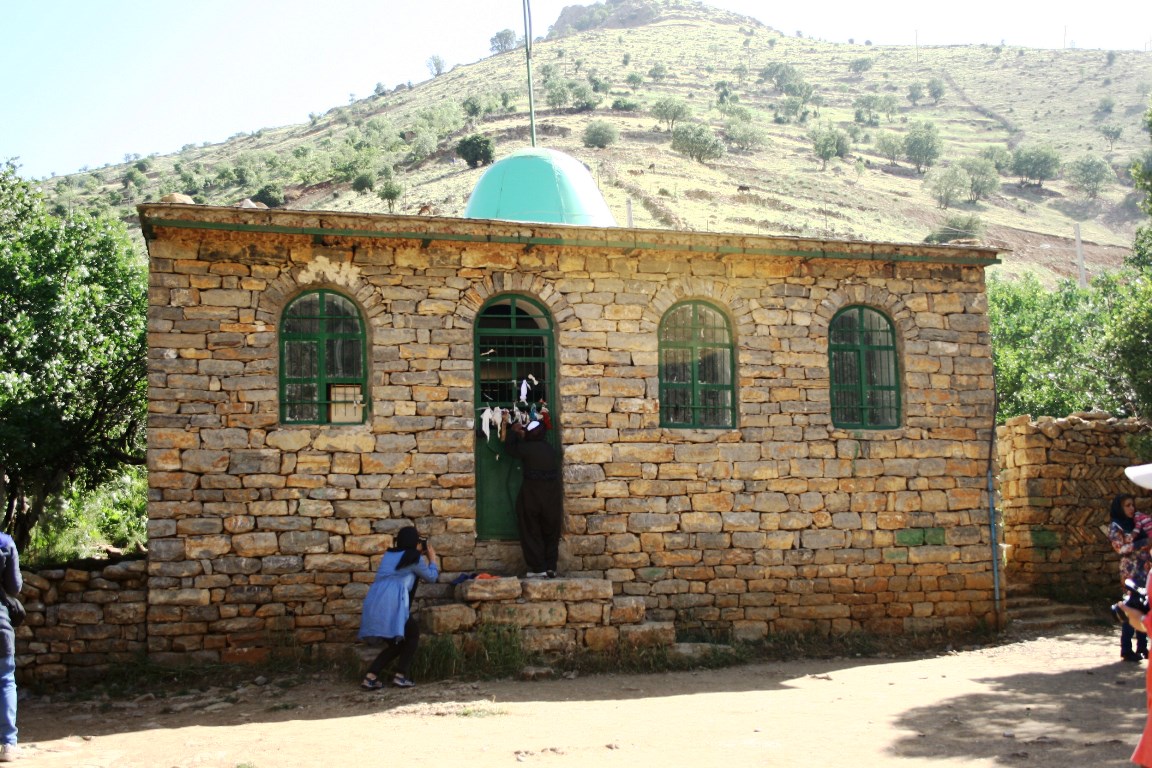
{"x":476,"y":150}
{"x":625,"y":105}
{"x":364,"y":182}
{"x":600,"y":134}
{"x":272,"y":195}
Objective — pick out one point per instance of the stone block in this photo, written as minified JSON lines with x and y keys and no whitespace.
{"x":650,"y":634}
{"x":475,"y":590}
{"x":447,"y":619}
{"x":566,"y":589}
{"x":524,"y":614}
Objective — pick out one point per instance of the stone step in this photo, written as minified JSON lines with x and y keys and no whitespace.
{"x":1029,"y":612}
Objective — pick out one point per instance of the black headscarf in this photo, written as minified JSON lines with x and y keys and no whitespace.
{"x":408,"y":542}
{"x":1127,"y":524}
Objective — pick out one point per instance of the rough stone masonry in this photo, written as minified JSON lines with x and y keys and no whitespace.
{"x":259,"y":529}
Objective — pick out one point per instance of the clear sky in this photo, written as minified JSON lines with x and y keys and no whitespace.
{"x":83,"y":82}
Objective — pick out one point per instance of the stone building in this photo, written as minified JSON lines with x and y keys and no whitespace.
{"x":759,"y":433}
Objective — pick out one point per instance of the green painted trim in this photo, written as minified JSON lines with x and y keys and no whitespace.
{"x":151,"y":224}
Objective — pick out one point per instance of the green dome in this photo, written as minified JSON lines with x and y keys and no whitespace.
{"x":539,"y":185}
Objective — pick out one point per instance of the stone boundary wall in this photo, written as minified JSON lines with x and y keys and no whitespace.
{"x":80,"y":620}
{"x":1057,"y":480}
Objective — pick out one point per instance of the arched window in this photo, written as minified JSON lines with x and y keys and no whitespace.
{"x":697,"y":364}
{"x":864,"y":369}
{"x":323,"y":365}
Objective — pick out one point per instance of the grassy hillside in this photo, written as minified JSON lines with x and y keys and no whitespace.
{"x":993,"y":96}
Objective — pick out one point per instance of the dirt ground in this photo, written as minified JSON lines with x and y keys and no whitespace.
{"x":1062,"y":700}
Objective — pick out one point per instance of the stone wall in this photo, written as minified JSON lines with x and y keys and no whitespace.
{"x":783,"y":523}
{"x":80,"y":620}
{"x":1057,"y":480}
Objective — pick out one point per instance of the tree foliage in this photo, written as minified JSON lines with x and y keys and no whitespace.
{"x":390,"y":191}
{"x":890,"y":146}
{"x":829,"y":142}
{"x":73,"y":376}
{"x":1090,"y":174}
{"x":503,"y":41}
{"x":697,"y":142}
{"x":1035,"y":164}
{"x":936,"y":89}
{"x":946,"y":184}
{"x":600,"y":133}
{"x":923,"y":145}
{"x":476,"y":150}
{"x":671,"y":110}
{"x":983,"y":179}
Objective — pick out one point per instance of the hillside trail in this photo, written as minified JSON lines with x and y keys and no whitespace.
{"x":1062,"y":700}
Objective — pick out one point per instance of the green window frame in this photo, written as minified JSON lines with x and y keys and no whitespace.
{"x":323,"y":361}
{"x":864,"y":370}
{"x":697,"y":368}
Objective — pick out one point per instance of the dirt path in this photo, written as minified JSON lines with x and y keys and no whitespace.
{"x":1062,"y":701}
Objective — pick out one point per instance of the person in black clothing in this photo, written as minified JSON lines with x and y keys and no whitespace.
{"x":540,"y":504}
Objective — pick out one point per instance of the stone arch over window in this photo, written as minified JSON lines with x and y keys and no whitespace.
{"x":697,"y":367}
{"x":864,"y":369}
{"x":323,"y":360}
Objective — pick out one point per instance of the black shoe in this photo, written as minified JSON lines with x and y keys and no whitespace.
{"x":1130,"y":656}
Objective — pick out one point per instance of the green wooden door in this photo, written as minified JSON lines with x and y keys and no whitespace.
{"x":512,"y":342}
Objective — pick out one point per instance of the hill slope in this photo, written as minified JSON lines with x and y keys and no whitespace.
{"x":993,"y":96}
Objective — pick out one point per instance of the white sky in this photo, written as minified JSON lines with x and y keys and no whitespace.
{"x":83,"y":82}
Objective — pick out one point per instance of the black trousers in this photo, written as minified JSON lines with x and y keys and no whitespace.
{"x":403,"y":649}
{"x":540,"y":513}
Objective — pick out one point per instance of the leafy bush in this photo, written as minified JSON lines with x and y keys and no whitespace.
{"x":364,"y":182}
{"x":957,"y":228}
{"x":625,"y":105}
{"x":476,"y":150}
{"x":272,"y":195}
{"x":697,"y":142}
{"x":601,"y":134}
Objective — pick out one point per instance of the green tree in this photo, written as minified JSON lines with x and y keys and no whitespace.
{"x":557,"y":94}
{"x":435,"y":65}
{"x":1127,"y":339}
{"x":889,"y":145}
{"x":780,"y":75}
{"x":658,"y":72}
{"x":922,"y":145}
{"x":744,"y":135}
{"x":887,"y":104}
{"x":503,"y":41}
{"x":1111,"y":132}
{"x":73,"y":362}
{"x":1141,"y":170}
{"x":390,"y":191}
{"x":936,"y":89}
{"x":866,"y":107}
{"x":915,"y":93}
{"x":1090,"y":174}
{"x":671,"y":110}
{"x":1000,"y":157}
{"x":1035,"y":164}
{"x":946,"y":184}
{"x":697,"y":142}
{"x":860,"y":66}
{"x":583,"y":97}
{"x":829,"y":142}
{"x":634,"y":80}
{"x":600,"y":133}
{"x":476,"y":150}
{"x":983,"y":179}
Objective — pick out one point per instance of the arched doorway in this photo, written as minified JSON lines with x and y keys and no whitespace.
{"x":513,"y":342}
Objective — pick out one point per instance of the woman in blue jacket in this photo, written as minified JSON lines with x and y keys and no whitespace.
{"x":387,"y":618}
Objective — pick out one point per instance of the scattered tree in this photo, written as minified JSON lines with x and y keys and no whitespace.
{"x":744,"y":135}
{"x":435,"y":65}
{"x":697,"y":142}
{"x":600,"y":133}
{"x":1035,"y":164}
{"x":390,"y":191}
{"x":671,"y":110}
{"x":1090,"y":174}
{"x":1111,"y":132}
{"x":1000,"y":157}
{"x":503,"y":41}
{"x":922,"y":145}
{"x":658,"y":72}
{"x":860,"y":66}
{"x":936,"y":89}
{"x":476,"y":150}
{"x":829,"y":142}
{"x":634,"y":80}
{"x":271,"y":194}
{"x":915,"y":93}
{"x":946,"y":184}
{"x":891,"y":146}
{"x":983,"y":178}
